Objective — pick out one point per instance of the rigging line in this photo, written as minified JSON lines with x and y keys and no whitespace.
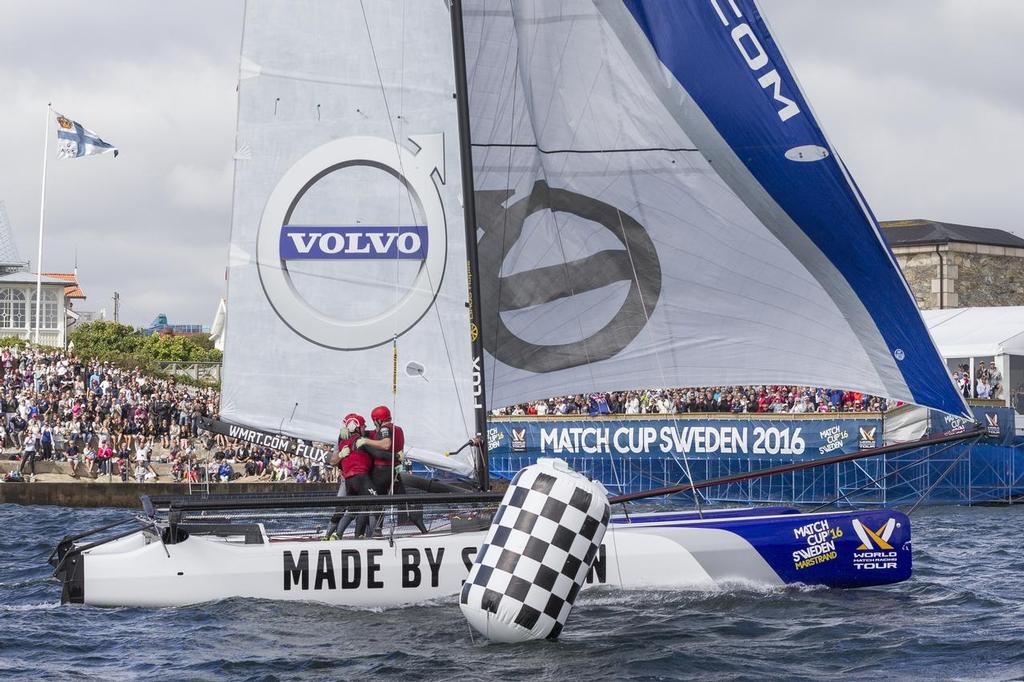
{"x":411,"y":206}
{"x":797,"y":466}
{"x":941,"y":478}
{"x":387,"y":107}
{"x":572,"y":289}
{"x":625,"y":150}
{"x":401,"y":126}
{"x":504,"y":216}
{"x":647,"y":318}
{"x":554,"y":215}
{"x":873,"y":481}
{"x":398,"y":149}
{"x":661,"y":367}
{"x":398,"y":214}
{"x":448,"y":354}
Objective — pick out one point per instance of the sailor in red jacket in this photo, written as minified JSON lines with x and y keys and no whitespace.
{"x":386,"y":446}
{"x":355,"y":465}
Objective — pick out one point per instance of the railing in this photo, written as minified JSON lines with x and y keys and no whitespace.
{"x":200,"y":371}
{"x":47,"y":337}
{"x":985,"y":473}
{"x":702,"y":416}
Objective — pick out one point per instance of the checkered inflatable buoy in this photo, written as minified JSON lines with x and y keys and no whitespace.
{"x":540,"y":547}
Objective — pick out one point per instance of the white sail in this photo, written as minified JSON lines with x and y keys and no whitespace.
{"x":347,"y":267}
{"x":659,"y":207}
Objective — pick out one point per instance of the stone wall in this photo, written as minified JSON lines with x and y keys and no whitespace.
{"x":127,"y":495}
{"x":987,"y":279}
{"x":973,"y":275}
{"x":920,"y":269}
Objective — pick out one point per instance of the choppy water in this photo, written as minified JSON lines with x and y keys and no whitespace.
{"x":960,"y":617}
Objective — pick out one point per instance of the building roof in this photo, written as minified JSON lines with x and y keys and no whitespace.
{"x":73,"y":289}
{"x":925,"y":232}
{"x":24,"y":277}
{"x":977,"y":332}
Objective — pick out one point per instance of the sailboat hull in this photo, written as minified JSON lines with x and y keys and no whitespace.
{"x":670,"y":551}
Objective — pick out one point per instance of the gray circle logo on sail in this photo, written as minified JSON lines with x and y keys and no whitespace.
{"x":280,"y":242}
{"x":637,"y":262}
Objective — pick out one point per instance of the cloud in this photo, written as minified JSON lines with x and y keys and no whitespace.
{"x":918,"y":96}
{"x":198,"y":187}
{"x":152,"y":224}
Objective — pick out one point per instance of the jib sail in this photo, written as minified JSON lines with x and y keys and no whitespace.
{"x":658,"y":206}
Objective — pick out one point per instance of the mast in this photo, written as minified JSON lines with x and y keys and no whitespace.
{"x":469,"y":208}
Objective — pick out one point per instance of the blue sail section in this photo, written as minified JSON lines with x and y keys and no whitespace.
{"x":724,"y":57}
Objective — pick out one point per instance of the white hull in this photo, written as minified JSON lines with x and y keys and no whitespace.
{"x":648,"y":553}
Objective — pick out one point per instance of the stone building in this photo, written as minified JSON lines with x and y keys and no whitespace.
{"x":958,"y":266}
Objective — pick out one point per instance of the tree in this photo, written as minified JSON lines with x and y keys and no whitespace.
{"x":102,"y":337}
{"x":111,"y":341}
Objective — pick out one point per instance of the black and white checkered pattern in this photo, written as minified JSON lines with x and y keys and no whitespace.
{"x":540,"y":547}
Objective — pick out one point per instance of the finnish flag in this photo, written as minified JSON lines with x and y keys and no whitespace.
{"x":74,"y":140}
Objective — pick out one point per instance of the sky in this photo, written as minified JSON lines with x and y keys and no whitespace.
{"x":923,"y":99}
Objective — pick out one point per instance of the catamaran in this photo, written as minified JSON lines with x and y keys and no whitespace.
{"x":637,"y":194}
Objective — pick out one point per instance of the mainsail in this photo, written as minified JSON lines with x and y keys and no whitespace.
{"x":347,"y":272}
{"x":659,"y":207}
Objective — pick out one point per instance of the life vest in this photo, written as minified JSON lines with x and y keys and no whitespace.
{"x":383,"y":457}
{"x":357,"y":461}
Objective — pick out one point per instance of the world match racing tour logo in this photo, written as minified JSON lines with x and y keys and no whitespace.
{"x":875,"y":551}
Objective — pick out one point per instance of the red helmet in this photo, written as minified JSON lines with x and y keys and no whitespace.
{"x":380,"y":415}
{"x":352,"y":416}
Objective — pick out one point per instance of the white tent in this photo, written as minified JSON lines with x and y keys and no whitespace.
{"x":977,"y":332}
{"x":217,"y":328}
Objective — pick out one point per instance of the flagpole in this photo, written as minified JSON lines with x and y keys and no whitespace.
{"x":42,"y":208}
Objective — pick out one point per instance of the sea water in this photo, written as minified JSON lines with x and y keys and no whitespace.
{"x":960,"y":617}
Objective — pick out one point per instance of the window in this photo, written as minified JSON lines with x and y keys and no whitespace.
{"x":12,"y":309}
{"x":49,"y":310}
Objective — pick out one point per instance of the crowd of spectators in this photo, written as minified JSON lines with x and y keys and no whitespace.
{"x":100,"y":418}
{"x":104,"y":420}
{"x":987,"y":382}
{"x":732,"y":399}
{"x":233,"y":459}
{"x":111,"y":421}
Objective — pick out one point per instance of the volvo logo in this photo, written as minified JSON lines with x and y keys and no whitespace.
{"x":280,"y":242}
{"x":637,"y":262}
{"x":317,"y":242}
